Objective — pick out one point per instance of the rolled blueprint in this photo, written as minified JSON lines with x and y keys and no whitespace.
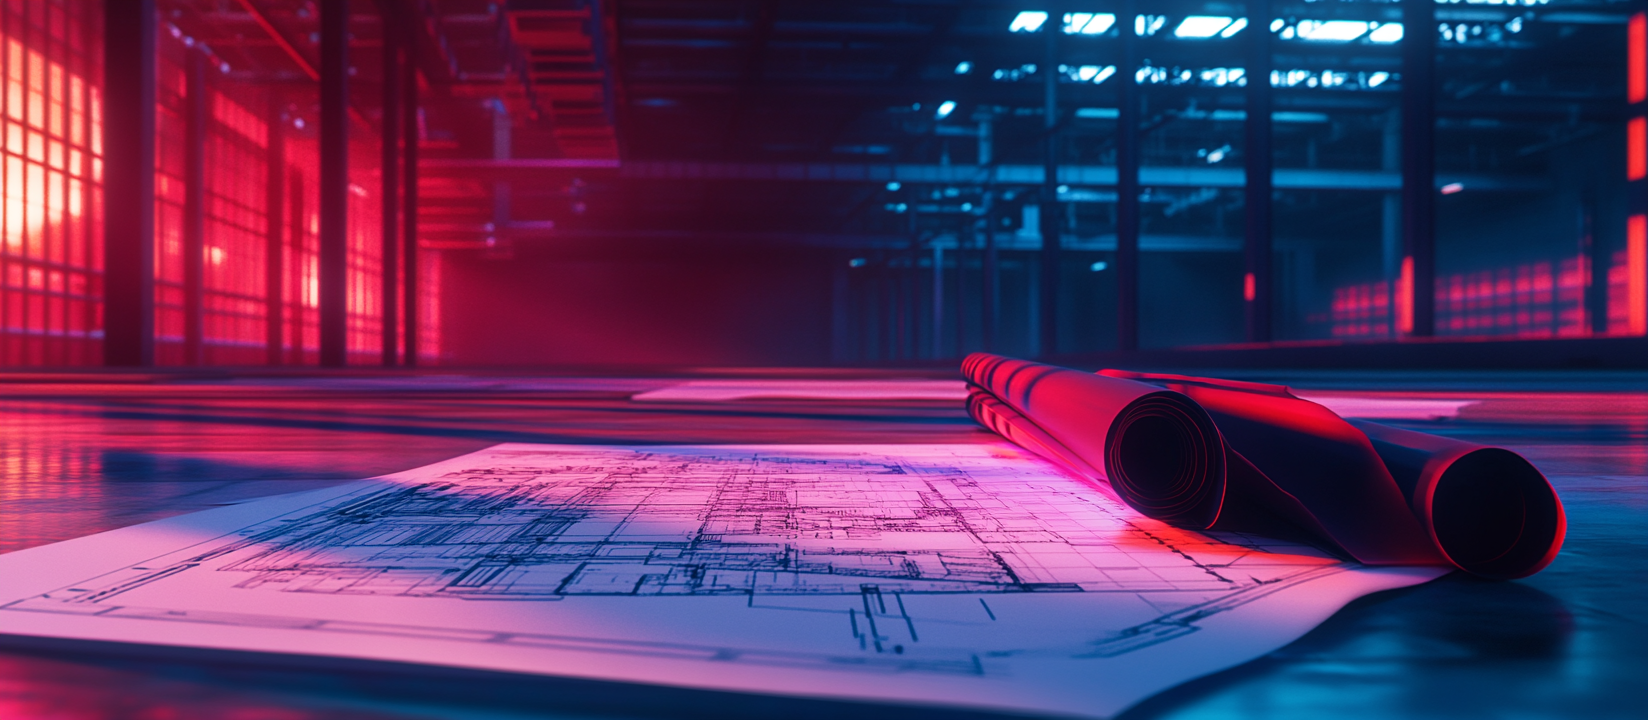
{"x":1159,"y":451}
{"x":1225,"y":455}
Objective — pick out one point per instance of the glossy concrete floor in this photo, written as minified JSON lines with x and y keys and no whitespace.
{"x":82,"y":454}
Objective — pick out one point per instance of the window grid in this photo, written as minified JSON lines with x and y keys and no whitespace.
{"x":235,"y":293}
{"x":51,"y":256}
{"x":51,"y":234}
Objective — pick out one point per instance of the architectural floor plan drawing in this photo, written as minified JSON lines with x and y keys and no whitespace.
{"x":970,"y":575}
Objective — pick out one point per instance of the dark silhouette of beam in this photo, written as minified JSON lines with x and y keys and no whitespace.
{"x":194,"y":208}
{"x":390,"y":136}
{"x":1419,"y":164}
{"x":128,"y":182}
{"x":1258,"y":289}
{"x":409,"y":170}
{"x":274,"y":238}
{"x":1127,"y":186}
{"x":334,"y":182}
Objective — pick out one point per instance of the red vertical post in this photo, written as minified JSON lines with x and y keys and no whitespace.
{"x":194,"y":207}
{"x":409,"y":166}
{"x":296,"y":230}
{"x":1636,"y":174}
{"x":390,"y":136}
{"x":334,"y":183}
{"x":128,"y":182}
{"x":274,"y":236}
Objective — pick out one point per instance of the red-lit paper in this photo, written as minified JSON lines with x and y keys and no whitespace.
{"x":969,"y":576}
{"x":1208,"y":453}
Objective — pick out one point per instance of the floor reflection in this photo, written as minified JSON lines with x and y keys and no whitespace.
{"x":79,"y":458}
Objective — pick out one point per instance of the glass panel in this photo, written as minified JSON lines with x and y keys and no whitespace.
{"x":1192,"y":151}
{"x":1336,"y":134}
{"x":1530,"y":166}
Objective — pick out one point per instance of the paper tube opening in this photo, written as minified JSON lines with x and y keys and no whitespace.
{"x":1164,"y":457}
{"x":1495,"y":515}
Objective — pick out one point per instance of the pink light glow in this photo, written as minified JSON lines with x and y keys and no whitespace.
{"x":1531,"y":300}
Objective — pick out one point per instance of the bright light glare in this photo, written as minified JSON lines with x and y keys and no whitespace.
{"x":1452,"y":188}
{"x":1088,"y":23}
{"x":1387,"y":33}
{"x":1028,"y":21}
{"x":1377,"y":79}
{"x":944,"y":109}
{"x":1201,"y":26}
{"x":893,"y":186}
{"x":1234,"y":28}
{"x":1104,"y":74}
{"x":1331,"y":30}
{"x":1277,"y":24}
{"x":963,"y":67}
{"x":1098,"y":266}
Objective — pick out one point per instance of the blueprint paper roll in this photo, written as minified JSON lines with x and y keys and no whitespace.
{"x":1158,"y":451}
{"x":1380,"y":495}
{"x":1489,"y":510}
{"x":1484,"y":510}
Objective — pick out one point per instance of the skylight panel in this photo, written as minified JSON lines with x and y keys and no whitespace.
{"x":1386,"y":33}
{"x":1201,"y":27}
{"x":1088,"y":23}
{"x":1331,"y":30}
{"x":1028,"y":21}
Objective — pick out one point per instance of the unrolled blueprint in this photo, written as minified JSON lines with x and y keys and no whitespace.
{"x":959,"y":575}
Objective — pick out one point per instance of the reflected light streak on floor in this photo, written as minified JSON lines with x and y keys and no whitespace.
{"x":82,"y":457}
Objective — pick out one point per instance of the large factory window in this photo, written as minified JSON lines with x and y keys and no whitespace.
{"x":1531,"y":209}
{"x":52,"y":254}
{"x":1192,"y":147}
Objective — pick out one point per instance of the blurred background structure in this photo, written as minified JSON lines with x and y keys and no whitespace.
{"x":769,"y":182}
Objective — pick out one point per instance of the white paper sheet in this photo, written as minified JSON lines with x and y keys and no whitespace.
{"x":724,"y":390}
{"x":952,"y":575}
{"x":1389,"y":408}
{"x":1355,"y":406}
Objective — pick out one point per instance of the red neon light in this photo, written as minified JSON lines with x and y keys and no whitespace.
{"x":1636,"y":63}
{"x":1247,"y":287}
{"x":50,"y":185}
{"x":1636,"y":149}
{"x":1636,"y":278}
{"x":1532,"y":300}
{"x":1404,"y":297}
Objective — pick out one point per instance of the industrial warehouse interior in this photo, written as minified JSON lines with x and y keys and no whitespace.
{"x":1138,"y":359}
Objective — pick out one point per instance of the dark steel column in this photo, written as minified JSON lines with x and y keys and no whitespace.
{"x":1257,"y":288}
{"x":390,"y":173}
{"x":128,"y":182}
{"x":297,"y":228}
{"x":958,"y":300}
{"x":1419,"y":161}
{"x":1050,"y":225}
{"x":409,"y":184}
{"x":334,"y":182}
{"x":1127,"y":183}
{"x":194,"y":208}
{"x":989,"y":286}
{"x":274,"y":236}
{"x":1597,"y":255}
